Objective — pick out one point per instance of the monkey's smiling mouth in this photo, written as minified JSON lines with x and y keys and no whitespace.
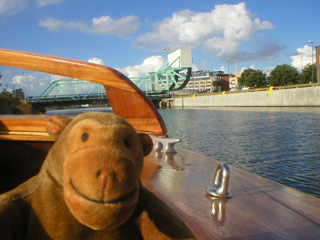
{"x":120,"y":199}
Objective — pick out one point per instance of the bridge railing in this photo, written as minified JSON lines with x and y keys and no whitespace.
{"x":163,"y":94}
{"x":67,"y":98}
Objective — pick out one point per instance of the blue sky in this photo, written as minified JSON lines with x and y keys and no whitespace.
{"x":130,"y":35}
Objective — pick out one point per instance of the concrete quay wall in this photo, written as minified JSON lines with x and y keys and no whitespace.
{"x":293,"y":97}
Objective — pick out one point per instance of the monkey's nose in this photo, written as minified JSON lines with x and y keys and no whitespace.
{"x":104,"y":176}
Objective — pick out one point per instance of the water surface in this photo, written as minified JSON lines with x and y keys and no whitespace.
{"x":282,"y":144}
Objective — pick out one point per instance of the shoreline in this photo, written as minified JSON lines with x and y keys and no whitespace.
{"x":272,"y":97}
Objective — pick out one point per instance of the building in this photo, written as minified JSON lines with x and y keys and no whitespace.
{"x":220,"y":81}
{"x":234,"y":82}
{"x":200,"y":81}
{"x":208,"y":81}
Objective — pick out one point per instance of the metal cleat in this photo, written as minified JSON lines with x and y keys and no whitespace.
{"x":165,"y":145}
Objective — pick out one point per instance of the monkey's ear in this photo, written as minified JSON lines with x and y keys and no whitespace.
{"x":146,"y":143}
{"x":57,"y":124}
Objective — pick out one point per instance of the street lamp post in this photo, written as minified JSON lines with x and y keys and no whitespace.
{"x":228,"y":73}
{"x":166,"y":49}
{"x":192,"y":75}
{"x":311,"y":42}
{"x":228,"y":64}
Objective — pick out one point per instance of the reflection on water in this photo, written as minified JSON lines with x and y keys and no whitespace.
{"x":282,"y":144}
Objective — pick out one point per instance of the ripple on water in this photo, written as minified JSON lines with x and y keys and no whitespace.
{"x":282,"y":145}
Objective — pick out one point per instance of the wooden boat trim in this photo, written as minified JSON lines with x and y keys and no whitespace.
{"x":126,"y":99}
{"x":258,"y":209}
{"x":24,"y":128}
{"x":26,"y":136}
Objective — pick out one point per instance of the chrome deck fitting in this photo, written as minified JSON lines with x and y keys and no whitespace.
{"x":221,"y":182}
{"x":163,"y":144}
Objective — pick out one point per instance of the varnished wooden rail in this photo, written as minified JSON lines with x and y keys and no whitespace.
{"x":126,"y":99}
{"x":258,"y":209}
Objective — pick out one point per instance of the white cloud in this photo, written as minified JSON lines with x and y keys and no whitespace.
{"x":224,"y":69}
{"x":22,"y":81}
{"x":253,"y":67}
{"x":30,"y":85}
{"x":266,"y":50}
{"x":195,"y":67}
{"x":33,"y":84}
{"x":302,"y":57}
{"x":103,"y":26}
{"x":53,"y":24}
{"x":150,"y":64}
{"x":219,"y":32}
{"x":10,"y":7}
{"x":47,"y":2}
{"x":267,"y":70}
{"x":121,"y":27}
{"x":96,"y":61}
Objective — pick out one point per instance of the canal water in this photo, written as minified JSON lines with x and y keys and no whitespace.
{"x":281,"y":144}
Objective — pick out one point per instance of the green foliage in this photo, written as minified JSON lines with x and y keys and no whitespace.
{"x":306,"y":74}
{"x":11,"y":97}
{"x":283,"y":75}
{"x":7,"y":97}
{"x":253,"y":78}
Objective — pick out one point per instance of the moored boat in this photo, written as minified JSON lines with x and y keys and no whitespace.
{"x":257,"y":209}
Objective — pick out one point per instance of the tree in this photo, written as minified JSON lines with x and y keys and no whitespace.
{"x":283,"y":75}
{"x":7,"y":97}
{"x":18,"y":93}
{"x":306,"y":74}
{"x":11,"y":97}
{"x":253,"y":78}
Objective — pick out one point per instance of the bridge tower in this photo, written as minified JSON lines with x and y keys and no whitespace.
{"x":173,"y":75}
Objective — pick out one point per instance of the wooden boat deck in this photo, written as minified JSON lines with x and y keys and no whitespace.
{"x":259,"y":208}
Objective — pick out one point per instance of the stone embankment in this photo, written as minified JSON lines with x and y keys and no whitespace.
{"x":293,"y":96}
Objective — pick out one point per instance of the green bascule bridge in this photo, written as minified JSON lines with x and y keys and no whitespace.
{"x":174,"y":75}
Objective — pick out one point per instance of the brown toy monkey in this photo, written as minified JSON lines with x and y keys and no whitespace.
{"x":89,"y":187}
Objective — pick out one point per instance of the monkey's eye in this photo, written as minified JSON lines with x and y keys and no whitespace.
{"x":127,"y":143}
{"x":84,"y":137}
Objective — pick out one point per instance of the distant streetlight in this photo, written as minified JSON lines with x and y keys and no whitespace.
{"x":166,"y":49}
{"x":211,"y":66}
{"x":301,"y":63}
{"x":228,"y":72}
{"x":311,"y":42}
{"x":228,"y":64}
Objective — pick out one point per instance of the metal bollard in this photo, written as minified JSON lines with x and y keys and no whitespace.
{"x":165,"y":145}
